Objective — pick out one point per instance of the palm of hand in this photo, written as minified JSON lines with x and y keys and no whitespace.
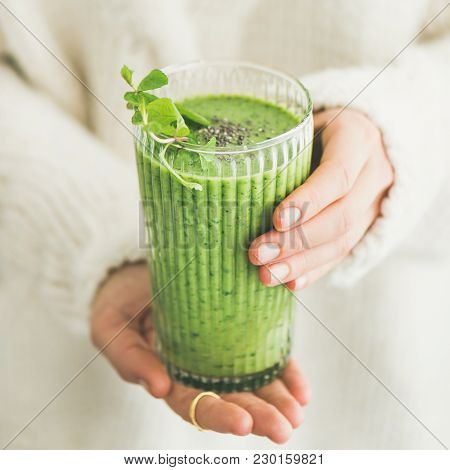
{"x":273,"y":411}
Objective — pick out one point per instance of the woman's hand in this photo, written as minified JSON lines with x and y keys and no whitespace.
{"x":320,"y":222}
{"x":272,"y":411}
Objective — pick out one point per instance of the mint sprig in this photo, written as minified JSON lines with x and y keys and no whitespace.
{"x":155,"y":79}
{"x":155,"y":116}
{"x":161,"y":117}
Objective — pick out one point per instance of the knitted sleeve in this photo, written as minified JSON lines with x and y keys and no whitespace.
{"x":68,"y":206}
{"x":410,"y":103}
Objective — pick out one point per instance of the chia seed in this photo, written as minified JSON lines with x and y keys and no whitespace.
{"x":225,"y":132}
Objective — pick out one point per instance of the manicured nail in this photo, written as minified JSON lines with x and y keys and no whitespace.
{"x":267,"y":252}
{"x":278,"y":272}
{"x":289,"y":216}
{"x":300,"y":283}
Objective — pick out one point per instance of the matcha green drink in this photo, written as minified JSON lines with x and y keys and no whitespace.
{"x":218,"y":327}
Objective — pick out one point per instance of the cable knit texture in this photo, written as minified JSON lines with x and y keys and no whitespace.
{"x":69,"y":207}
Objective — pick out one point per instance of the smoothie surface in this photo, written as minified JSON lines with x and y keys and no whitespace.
{"x":238,"y":119}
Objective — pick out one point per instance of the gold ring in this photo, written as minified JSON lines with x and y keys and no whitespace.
{"x":194,"y":404}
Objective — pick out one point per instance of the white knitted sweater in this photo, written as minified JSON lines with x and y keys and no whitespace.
{"x":68,"y":192}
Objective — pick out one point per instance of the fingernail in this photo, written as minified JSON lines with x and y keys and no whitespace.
{"x":278,"y":272}
{"x":289,"y":216}
{"x":268,"y":252}
{"x":300,"y":283}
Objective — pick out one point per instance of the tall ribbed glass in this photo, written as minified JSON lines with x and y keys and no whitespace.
{"x":218,"y":327}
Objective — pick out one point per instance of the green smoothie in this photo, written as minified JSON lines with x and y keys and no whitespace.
{"x":218,"y":327}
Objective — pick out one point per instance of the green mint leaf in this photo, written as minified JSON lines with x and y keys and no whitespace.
{"x":165,"y":117}
{"x":182,"y":130}
{"x":192,"y":115}
{"x":163,"y":111}
{"x":148,"y":97}
{"x":155,"y":79}
{"x":127,"y":75}
{"x":136,"y":98}
{"x":136,"y":118}
{"x":155,"y":127}
{"x":132,"y":98}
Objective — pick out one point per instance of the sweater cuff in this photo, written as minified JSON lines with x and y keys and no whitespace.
{"x":388,"y":102}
